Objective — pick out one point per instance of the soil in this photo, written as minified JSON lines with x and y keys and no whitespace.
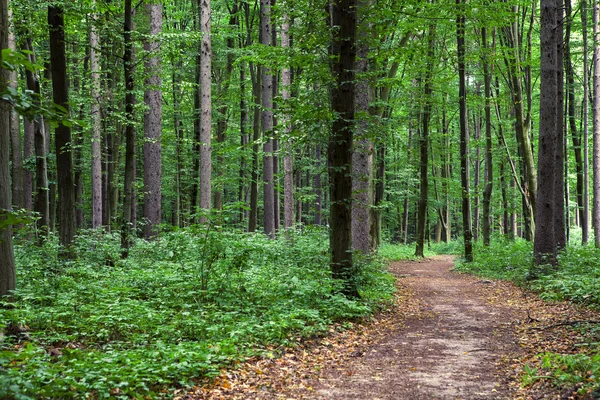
{"x":448,"y":336}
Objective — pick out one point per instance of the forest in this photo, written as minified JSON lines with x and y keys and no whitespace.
{"x":189,"y":185}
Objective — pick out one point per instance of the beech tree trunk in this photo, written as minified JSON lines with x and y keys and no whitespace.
{"x":7,"y":261}
{"x":267,"y":123}
{"x":585,"y":220}
{"x":62,"y":136}
{"x":343,"y":51}
{"x":16,"y":148}
{"x":288,"y":167}
{"x":489,"y":166}
{"x":464,"y":134}
{"x":153,"y":123}
{"x":545,"y":239}
{"x":97,"y":203}
{"x":596,"y":138}
{"x":206,"y":110}
{"x":128,"y":189}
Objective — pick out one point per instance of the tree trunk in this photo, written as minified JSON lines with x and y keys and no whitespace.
{"x":16,"y":150}
{"x":559,"y":155}
{"x":464,"y":134}
{"x":288,"y":167}
{"x":596,"y":137}
{"x":318,"y":187}
{"x":343,"y":51}
{"x":128,"y":189}
{"x":362,"y":160}
{"x":585,"y":222}
{"x":7,"y":261}
{"x":153,"y":123}
{"x":489,"y":166}
{"x":62,"y":136}
{"x":267,"y":123}
{"x":544,"y":243}
{"x":424,"y":144}
{"x":206,"y":110}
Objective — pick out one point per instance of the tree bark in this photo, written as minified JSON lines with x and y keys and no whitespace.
{"x":585,"y":221}
{"x":62,"y":136}
{"x":489,"y":166}
{"x":130,"y":100}
{"x":545,"y":241}
{"x":153,"y":123}
{"x":596,"y":137}
{"x":464,"y":134}
{"x":267,"y":123}
{"x":16,"y":148}
{"x":288,"y":167}
{"x":97,"y":204}
{"x":343,"y":51}
{"x":7,"y":261}
{"x":206,"y":110}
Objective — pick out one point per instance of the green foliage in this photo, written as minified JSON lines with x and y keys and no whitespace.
{"x":178,"y":309}
{"x":578,"y":370}
{"x":396,"y":252}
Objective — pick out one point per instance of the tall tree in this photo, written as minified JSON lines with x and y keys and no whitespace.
{"x":152,"y":122}
{"x":545,"y":240}
{"x":97,"y":206}
{"x":7,"y":261}
{"x":130,"y":100}
{"x":464,"y":134}
{"x":489,"y":166}
{"x":343,"y":52}
{"x":596,"y":139}
{"x":62,"y":136}
{"x":16,"y":148}
{"x":288,"y":168}
{"x":266,"y":117}
{"x":585,"y":221}
{"x":205,"y":108}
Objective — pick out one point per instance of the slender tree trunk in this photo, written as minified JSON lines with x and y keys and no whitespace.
{"x":596,"y":137}
{"x":128,"y":189}
{"x":288,"y":167}
{"x":343,"y":51}
{"x":585,"y":221}
{"x":16,"y":150}
{"x":7,"y":261}
{"x":62,"y":137}
{"x":28,"y":153}
{"x":489,"y":166}
{"x":424,"y":144}
{"x":256,"y":88}
{"x":476,"y":174}
{"x":267,"y":123}
{"x":97,"y":203}
{"x":153,"y":123}
{"x":242,"y":198}
{"x":464,"y":135}
{"x":318,"y":187}
{"x":206,"y":109}
{"x":362,"y":160}
{"x":545,"y":240}
{"x":559,"y":155}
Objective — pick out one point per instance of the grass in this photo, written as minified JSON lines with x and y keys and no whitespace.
{"x":173,"y":313}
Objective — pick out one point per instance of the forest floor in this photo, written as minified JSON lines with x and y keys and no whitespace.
{"x":448,"y":336}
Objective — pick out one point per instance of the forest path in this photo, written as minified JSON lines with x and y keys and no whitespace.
{"x":449,"y":347}
{"x":449,"y":336}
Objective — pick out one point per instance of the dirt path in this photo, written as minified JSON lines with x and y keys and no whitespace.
{"x":448,"y":349}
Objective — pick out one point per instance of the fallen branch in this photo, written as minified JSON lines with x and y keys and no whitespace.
{"x":567,"y":323}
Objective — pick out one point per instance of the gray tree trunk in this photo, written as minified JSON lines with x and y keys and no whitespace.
{"x":596,"y":137}
{"x":16,"y":147}
{"x":464,"y":134}
{"x":489,"y":166}
{"x":96,"y":160}
{"x":585,"y":221}
{"x":206,"y":109}
{"x":545,"y":243}
{"x":153,"y":123}
{"x":288,"y":168}
{"x":7,"y":261}
{"x":267,"y":123}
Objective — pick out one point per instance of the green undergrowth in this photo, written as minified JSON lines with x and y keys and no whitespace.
{"x":176,"y":311}
{"x":576,"y":279}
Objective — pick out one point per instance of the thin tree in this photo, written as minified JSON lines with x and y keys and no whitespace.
{"x":343,"y":52}
{"x":596,"y":138}
{"x":7,"y":261}
{"x":288,"y":168}
{"x":585,"y":220}
{"x":205,"y":109}
{"x":489,"y":167}
{"x":266,"y":117}
{"x":96,"y":95}
{"x":545,"y":241}
{"x":153,"y":122}
{"x":62,"y":137}
{"x":464,"y":134}
{"x":16,"y":148}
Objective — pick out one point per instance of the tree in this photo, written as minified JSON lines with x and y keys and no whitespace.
{"x":7,"y":261}
{"x":266,"y":117}
{"x":62,"y":137}
{"x":339,"y":152}
{"x":205,"y":108}
{"x":288,"y":168}
{"x":16,"y":150}
{"x":153,"y":122}
{"x":489,"y":166}
{"x":97,"y":205}
{"x":596,"y":127}
{"x":545,"y":239}
{"x":464,"y":134}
